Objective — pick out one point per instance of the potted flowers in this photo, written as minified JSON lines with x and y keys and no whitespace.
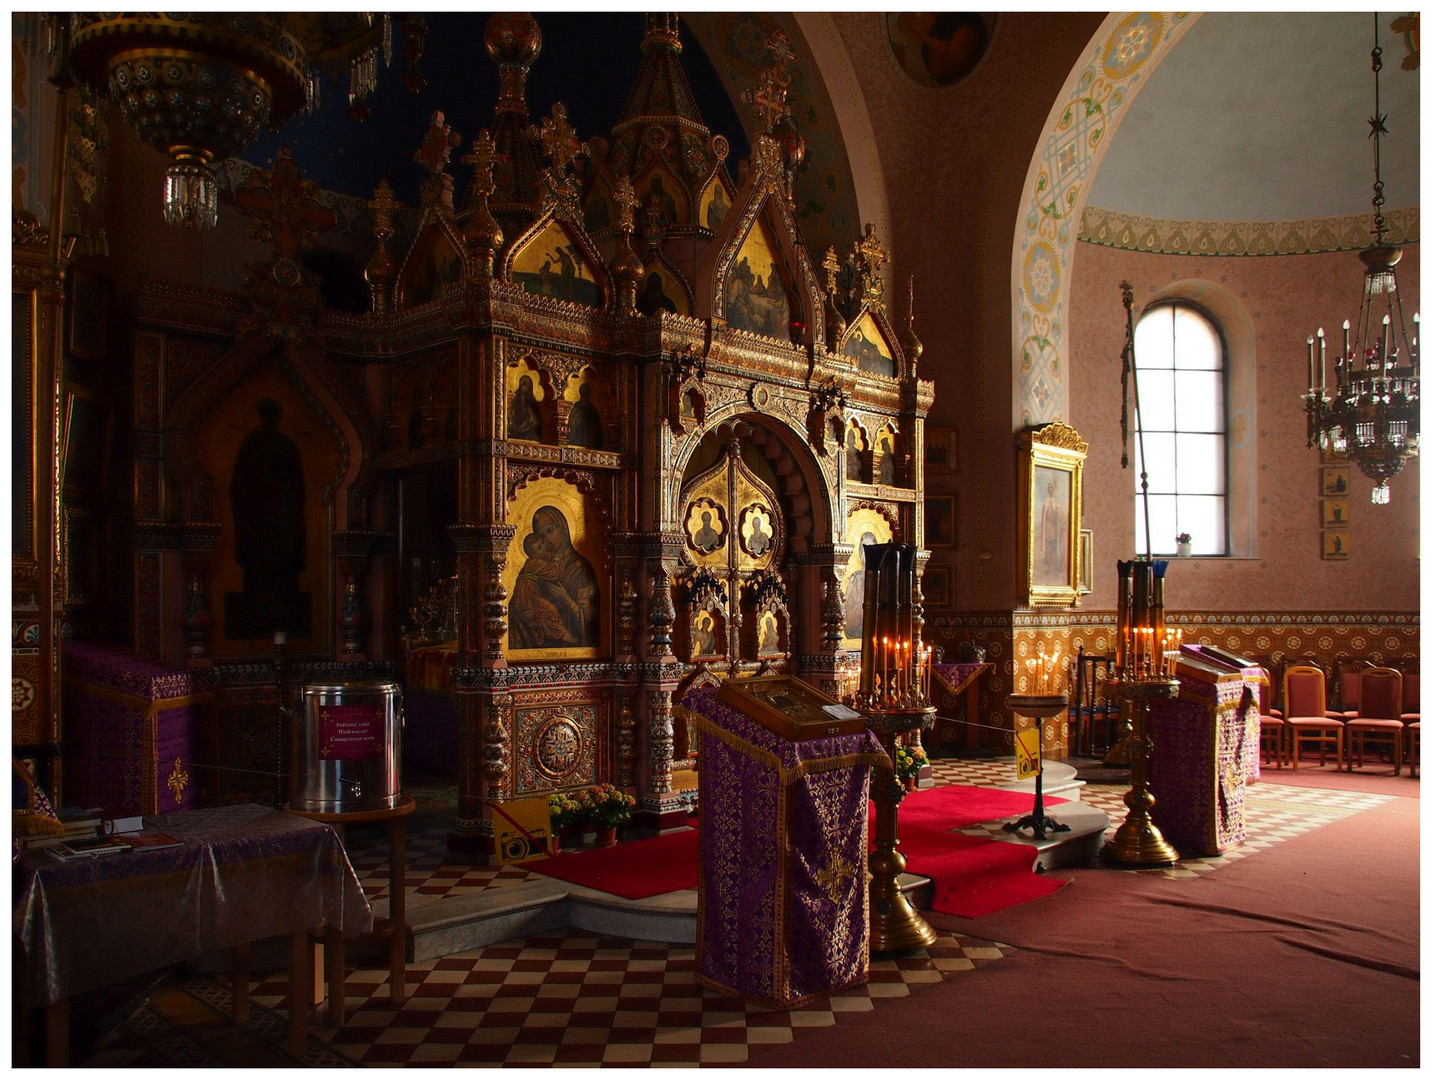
{"x":1185,"y":545}
{"x":608,"y":807}
{"x":566,"y":812}
{"x":908,"y":762}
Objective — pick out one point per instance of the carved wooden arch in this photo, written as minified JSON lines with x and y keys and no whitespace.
{"x":522,"y":477}
{"x":886,"y":510}
{"x":573,"y":227}
{"x":760,"y":196}
{"x":812,"y":496}
{"x":552,"y":378}
{"x":430,"y":223}
{"x":315,"y":378}
{"x":706,"y":594}
{"x":678,"y":275}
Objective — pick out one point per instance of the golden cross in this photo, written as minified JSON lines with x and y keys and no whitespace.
{"x":835,"y":877}
{"x":560,"y":144}
{"x":383,"y":204}
{"x":179,"y":780}
{"x":483,"y":158}
{"x":625,"y":203}
{"x":439,"y":143}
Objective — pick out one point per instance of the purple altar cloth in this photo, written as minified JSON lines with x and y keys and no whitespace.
{"x":783,"y":854}
{"x":1205,"y":746}
{"x":138,"y":723}
{"x":241,"y":874}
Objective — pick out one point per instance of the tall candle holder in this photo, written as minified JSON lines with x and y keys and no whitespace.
{"x":893,"y":695}
{"x":1146,"y":669}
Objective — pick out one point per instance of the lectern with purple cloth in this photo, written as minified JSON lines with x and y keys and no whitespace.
{"x":783,"y":844}
{"x":1205,"y":749}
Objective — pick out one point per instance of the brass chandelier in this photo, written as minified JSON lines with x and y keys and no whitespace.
{"x":1374,"y":415}
{"x":200,"y":86}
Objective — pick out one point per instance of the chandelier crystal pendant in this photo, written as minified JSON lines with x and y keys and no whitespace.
{"x":1374,"y":414}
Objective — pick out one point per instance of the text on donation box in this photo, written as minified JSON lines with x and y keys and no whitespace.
{"x":351,"y":732}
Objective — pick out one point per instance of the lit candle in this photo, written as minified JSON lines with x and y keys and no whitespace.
{"x":1347,"y":339}
{"x":279,"y":638}
{"x":1386,"y":342}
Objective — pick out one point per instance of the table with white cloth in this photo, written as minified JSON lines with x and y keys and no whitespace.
{"x":240,"y":874}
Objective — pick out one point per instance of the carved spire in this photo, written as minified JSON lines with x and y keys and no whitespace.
{"x":868,"y":259}
{"x":514,"y":43}
{"x":381,"y":265}
{"x":833,"y":320}
{"x":482,"y":234}
{"x":912,"y":347}
{"x":556,"y":135}
{"x":780,"y":147}
{"x":626,"y":268}
{"x":437,"y":188}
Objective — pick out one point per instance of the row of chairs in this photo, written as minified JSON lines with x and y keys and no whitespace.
{"x":1381,"y":714}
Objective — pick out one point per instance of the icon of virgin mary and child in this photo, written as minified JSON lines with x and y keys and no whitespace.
{"x":556,"y":596}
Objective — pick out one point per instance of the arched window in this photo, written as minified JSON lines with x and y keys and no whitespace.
{"x":1182,"y":402}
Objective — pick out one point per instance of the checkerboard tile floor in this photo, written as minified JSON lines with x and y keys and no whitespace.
{"x":576,"y":998}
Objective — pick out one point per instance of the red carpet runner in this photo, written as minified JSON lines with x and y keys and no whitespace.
{"x":971,"y":876}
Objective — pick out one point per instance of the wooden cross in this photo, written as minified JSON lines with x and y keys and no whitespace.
{"x":561,"y":146}
{"x":285,"y":208}
{"x":483,"y":158}
{"x":383,"y":204}
{"x":625,"y":203}
{"x":770,"y":97}
{"x":869,"y":255}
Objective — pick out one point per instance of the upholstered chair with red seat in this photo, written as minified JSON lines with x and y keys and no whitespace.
{"x":1348,"y":685}
{"x":1274,"y":734}
{"x":1414,"y":734}
{"x":1304,"y":695}
{"x":1379,"y":716}
{"x":1411,"y":696}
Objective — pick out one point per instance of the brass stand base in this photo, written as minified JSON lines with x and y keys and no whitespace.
{"x":1138,"y":843}
{"x":894,"y":925}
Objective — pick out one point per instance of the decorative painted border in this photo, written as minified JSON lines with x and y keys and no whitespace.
{"x":1169,"y":236}
{"x":1125,"y":50}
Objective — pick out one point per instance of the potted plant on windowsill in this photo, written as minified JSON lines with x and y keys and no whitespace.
{"x":608,"y":808}
{"x":1185,"y":545}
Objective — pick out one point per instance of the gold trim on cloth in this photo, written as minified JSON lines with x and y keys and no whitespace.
{"x":152,"y":708}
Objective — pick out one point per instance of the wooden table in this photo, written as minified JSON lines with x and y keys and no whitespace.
{"x":391,"y":929}
{"x":240,"y":874}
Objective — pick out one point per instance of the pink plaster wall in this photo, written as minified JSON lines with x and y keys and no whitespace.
{"x":1287,"y":298}
{"x":955,"y":184}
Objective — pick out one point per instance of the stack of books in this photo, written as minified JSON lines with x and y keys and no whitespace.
{"x":80,"y":823}
{"x":90,"y":834}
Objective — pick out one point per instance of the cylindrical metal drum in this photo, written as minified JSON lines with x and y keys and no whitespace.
{"x":346,"y":747}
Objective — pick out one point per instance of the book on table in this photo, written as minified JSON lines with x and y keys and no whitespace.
{"x":149,"y":840}
{"x":89,"y":848}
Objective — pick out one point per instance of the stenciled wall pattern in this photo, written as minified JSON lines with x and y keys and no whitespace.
{"x":1058,"y":180}
{"x":1166,"y":236}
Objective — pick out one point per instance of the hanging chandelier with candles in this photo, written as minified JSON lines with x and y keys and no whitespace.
{"x":199,"y":86}
{"x":1374,"y":414}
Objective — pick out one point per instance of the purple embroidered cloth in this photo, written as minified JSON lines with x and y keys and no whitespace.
{"x":783,"y":853}
{"x":1205,"y":742}
{"x":242,"y":873}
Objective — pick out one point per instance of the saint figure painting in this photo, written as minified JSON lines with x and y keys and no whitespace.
{"x":556,"y":596}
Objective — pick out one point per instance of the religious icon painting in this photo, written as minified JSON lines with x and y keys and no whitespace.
{"x":660,"y":290}
{"x":1336,"y":544}
{"x":1336,"y":513}
{"x":554,"y":575}
{"x":864,"y":527}
{"x":705,"y":635}
{"x":552,"y":265}
{"x":524,"y":397}
{"x":715,"y":207}
{"x":1334,"y":480}
{"x":433,"y":266}
{"x":596,"y":211}
{"x":658,"y":192}
{"x":755,"y":295}
{"x":769,"y":643}
{"x":706,"y":526}
{"x":885,"y":461}
{"x":855,"y":443}
{"x":938,"y":49}
{"x":865,"y":345}
{"x":756,"y":531}
{"x":586,"y":423}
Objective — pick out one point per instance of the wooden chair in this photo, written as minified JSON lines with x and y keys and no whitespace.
{"x":1275,"y":728}
{"x":1304,"y":693}
{"x":1411,"y":696}
{"x":1379,"y":715}
{"x":1414,"y":730}
{"x":1347,"y":686}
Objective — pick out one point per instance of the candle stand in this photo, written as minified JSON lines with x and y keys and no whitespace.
{"x":1037,"y":707}
{"x":1138,"y":842}
{"x":894,"y":925}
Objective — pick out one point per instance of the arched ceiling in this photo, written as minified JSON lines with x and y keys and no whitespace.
{"x":1263,"y":117}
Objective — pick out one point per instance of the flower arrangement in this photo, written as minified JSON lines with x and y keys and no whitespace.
{"x":608,"y":806}
{"x":566,"y":810}
{"x":908,"y":761}
{"x":1185,"y":538}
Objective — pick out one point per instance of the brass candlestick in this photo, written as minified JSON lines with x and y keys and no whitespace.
{"x":1138,"y":842}
{"x":894,"y":925}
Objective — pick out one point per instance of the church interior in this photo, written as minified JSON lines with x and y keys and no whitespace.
{"x":492,"y":398}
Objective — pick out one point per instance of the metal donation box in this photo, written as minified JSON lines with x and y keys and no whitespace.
{"x":783,"y":840}
{"x":346,"y":747}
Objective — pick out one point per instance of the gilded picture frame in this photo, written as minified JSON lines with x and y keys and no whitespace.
{"x":940,"y":449}
{"x":1051,"y":512}
{"x":1085,"y":560}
